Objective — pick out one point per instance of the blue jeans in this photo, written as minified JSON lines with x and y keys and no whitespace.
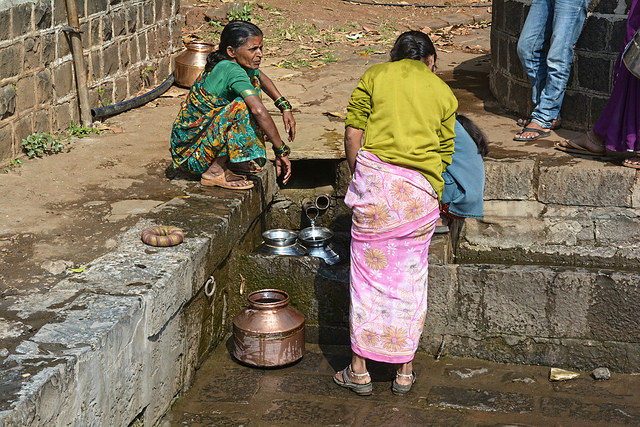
{"x":559,"y":22}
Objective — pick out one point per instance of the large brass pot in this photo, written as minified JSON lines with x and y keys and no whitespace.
{"x":269,"y":332}
{"x":191,"y":62}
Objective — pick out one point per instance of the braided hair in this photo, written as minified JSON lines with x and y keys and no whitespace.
{"x":234,"y":34}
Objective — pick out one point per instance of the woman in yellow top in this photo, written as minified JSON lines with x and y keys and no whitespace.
{"x":222,"y":123}
{"x":398,"y":141}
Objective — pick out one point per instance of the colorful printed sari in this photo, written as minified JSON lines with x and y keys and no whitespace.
{"x":208,"y":127}
{"x":394,"y":214}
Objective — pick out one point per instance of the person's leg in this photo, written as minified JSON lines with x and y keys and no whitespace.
{"x":531,"y":45}
{"x":405,"y":369}
{"x":218,"y":174}
{"x":358,"y":367}
{"x":568,"y":19}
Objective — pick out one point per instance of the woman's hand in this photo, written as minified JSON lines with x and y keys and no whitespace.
{"x":283,"y":168}
{"x":289,"y":124}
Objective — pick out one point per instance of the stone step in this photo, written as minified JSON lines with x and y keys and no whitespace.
{"x":557,"y":316}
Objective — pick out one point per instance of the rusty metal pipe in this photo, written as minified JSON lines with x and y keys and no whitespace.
{"x":322,"y":202}
{"x":78,"y":63}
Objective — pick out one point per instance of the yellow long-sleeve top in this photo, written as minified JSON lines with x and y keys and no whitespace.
{"x":408,"y":115}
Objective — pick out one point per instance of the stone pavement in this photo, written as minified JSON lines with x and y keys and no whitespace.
{"x":448,"y":392}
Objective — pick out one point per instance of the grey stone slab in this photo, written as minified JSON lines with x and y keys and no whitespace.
{"x":479,"y":400}
{"x":310,"y":412}
{"x":609,"y":413}
{"x":509,"y":179}
{"x":401,"y":415}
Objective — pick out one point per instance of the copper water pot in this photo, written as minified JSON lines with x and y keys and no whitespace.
{"x":191,"y":62}
{"x":269,"y":332}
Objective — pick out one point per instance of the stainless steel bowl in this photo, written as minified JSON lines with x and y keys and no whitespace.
{"x":280,"y":237}
{"x":315,"y":237}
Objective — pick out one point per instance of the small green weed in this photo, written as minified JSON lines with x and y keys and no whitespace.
{"x":241,"y":13}
{"x":15,"y":163}
{"x":144,"y":75}
{"x":329,"y":58}
{"x":103,"y":100}
{"x":39,"y":144}
{"x":82,"y":131}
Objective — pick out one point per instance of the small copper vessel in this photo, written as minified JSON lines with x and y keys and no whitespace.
{"x":269,"y":332}
{"x":191,"y":62}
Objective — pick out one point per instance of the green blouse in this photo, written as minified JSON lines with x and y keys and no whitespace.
{"x":229,"y":80}
{"x":408,"y":115}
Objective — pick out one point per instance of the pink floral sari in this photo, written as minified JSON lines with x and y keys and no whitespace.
{"x":394,"y":214}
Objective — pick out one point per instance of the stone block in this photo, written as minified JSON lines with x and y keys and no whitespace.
{"x":585,"y":184}
{"x":26,"y":94}
{"x":21,"y":22}
{"x":148,"y":14}
{"x":119,"y":19}
{"x":509,"y":180}
{"x":121,"y":87}
{"x":111,"y":61}
{"x":606,"y":6}
{"x":95,"y":68}
{"x":135,"y":83}
{"x":615,"y":41}
{"x":32,"y":48}
{"x":42,"y":121}
{"x":575,"y":107}
{"x":80,"y":5}
{"x":162,"y":9}
{"x":132,"y":19}
{"x":614,"y":228}
{"x":612,"y":305}
{"x":597,"y":106}
{"x":124,"y":54}
{"x":176,"y":34}
{"x":6,"y":141}
{"x":61,"y":116}
{"x":63,"y":45}
{"x":133,"y":50}
{"x":22,"y":128}
{"x":5,"y":24}
{"x":107,"y":29}
{"x":593,"y":37}
{"x":63,"y":79}
{"x":86,"y":34}
{"x":59,"y":12}
{"x":42,"y":16}
{"x":142,"y":46}
{"x":96,"y":6}
{"x":48,"y":48}
{"x":7,"y":100}
{"x":11,"y":60}
{"x":594,"y":73}
{"x":514,"y":17}
{"x":94,"y":36}
{"x":163,"y":38}
{"x":497,"y":16}
{"x":105,"y":94}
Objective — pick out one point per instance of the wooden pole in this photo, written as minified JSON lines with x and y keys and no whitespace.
{"x":78,"y":62}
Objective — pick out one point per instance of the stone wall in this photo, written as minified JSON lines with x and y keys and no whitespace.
{"x":127,"y":48}
{"x":591,"y":77}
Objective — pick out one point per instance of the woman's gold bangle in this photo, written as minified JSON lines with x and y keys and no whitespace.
{"x":282,"y":104}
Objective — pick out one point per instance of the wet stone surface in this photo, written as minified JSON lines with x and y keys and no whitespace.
{"x":448,"y":392}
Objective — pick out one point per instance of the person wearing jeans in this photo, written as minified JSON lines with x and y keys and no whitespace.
{"x":558,"y":23}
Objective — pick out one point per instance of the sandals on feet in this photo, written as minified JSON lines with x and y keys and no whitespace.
{"x":632,"y":162}
{"x":541,"y":134}
{"x":359,"y":389}
{"x":555,"y":123}
{"x":568,"y":146}
{"x":399,"y":389}
{"x":245,"y":167}
{"x":227,"y":180}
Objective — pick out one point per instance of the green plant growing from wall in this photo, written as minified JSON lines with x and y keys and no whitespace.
{"x":104,"y":101}
{"x":145,"y":75}
{"x":241,"y":13}
{"x":39,"y":144}
{"x":82,"y":131}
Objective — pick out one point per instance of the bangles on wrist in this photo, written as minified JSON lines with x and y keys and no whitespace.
{"x":282,"y":151}
{"x":282,"y":104}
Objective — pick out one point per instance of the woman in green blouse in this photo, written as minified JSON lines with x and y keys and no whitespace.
{"x":221,"y":126}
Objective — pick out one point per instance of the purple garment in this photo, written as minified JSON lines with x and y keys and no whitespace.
{"x":619,"y":123}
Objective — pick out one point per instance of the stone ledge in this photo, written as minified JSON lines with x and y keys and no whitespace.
{"x":123,"y":337}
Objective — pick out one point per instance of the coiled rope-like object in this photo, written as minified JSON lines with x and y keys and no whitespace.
{"x":162,"y":235}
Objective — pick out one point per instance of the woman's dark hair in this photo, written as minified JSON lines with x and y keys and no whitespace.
{"x":413,"y":45}
{"x":475,"y":133}
{"x":234,"y":34}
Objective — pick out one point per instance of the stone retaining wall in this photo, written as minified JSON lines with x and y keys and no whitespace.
{"x":127,"y":47}
{"x":591,"y":77}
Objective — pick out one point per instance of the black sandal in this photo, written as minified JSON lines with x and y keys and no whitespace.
{"x":360,"y":389}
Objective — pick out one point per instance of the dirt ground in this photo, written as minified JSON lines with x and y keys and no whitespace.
{"x":62,"y":211}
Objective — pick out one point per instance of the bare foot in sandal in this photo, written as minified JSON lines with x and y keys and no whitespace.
{"x":588,"y":143}
{"x":226,"y":179}
{"x":632,"y":162}
{"x":245,"y":167}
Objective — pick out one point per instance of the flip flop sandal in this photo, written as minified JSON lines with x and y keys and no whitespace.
{"x":628,"y":162}
{"x":245,"y":167}
{"x":223,"y":181}
{"x":572,"y":147}
{"x":541,"y":134}
{"x":360,"y":389}
{"x":524,"y":122}
{"x":399,"y":389}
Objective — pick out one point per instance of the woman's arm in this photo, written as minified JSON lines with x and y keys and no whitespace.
{"x":352,"y":142}
{"x":267,"y":125}
{"x":267,"y":85}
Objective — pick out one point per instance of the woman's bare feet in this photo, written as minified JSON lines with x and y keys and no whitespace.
{"x":359,"y":367}
{"x":219,"y":176}
{"x":632,"y":162}
{"x":405,"y":369}
{"x":532,"y":132}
